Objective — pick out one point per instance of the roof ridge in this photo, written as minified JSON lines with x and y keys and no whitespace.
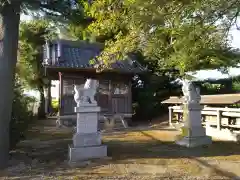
{"x":78,"y":43}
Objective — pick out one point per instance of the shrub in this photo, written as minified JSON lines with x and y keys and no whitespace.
{"x":55,"y":107}
{"x":55,"y":104}
{"x":148,"y":97}
{"x":22,"y":115}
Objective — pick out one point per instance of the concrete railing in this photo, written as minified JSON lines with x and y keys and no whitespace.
{"x":223,"y":117}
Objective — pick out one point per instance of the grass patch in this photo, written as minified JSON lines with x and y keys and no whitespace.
{"x":45,"y":134}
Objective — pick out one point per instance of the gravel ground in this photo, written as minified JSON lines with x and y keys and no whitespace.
{"x":140,"y":153}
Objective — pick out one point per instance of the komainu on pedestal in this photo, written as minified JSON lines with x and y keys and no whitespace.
{"x":87,"y":140}
{"x":193,"y":134}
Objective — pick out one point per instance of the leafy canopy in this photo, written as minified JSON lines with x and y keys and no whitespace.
{"x":58,"y":10}
{"x":32,"y":37}
{"x":177,"y":34}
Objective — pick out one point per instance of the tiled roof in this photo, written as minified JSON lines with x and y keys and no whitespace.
{"x":77,"y":54}
{"x":220,"y":99}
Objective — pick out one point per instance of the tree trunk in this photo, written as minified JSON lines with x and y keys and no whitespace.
{"x":41,"y":109}
{"x":9,"y":29}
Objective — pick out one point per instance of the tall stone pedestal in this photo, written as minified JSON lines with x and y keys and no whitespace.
{"x":193,"y":134}
{"x":87,"y":140}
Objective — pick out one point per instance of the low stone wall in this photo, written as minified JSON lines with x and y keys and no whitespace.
{"x":212,"y":120}
{"x":225,"y":120}
{"x":223,"y":134}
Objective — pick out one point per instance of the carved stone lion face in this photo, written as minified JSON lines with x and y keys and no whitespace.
{"x":190,"y":87}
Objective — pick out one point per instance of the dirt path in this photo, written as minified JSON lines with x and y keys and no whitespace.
{"x":140,"y":153}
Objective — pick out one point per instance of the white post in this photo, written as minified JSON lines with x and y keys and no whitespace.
{"x":59,"y":49}
{"x":47,"y":50}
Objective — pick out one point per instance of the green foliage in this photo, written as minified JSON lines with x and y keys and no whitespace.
{"x":9,"y":17}
{"x":177,"y":34}
{"x":22,"y":115}
{"x":149,"y":89}
{"x":220,"y":86}
{"x":33,"y":36}
{"x":173,"y":37}
{"x":55,"y":103}
{"x":147,"y":98}
{"x":236,"y":86}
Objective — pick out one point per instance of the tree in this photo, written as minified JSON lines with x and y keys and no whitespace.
{"x":173,"y":36}
{"x":33,"y":36}
{"x":184,"y":35}
{"x":9,"y":31}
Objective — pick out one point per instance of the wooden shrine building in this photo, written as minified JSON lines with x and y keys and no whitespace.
{"x":68,"y":62}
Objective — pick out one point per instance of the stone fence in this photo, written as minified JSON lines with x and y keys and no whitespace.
{"x":220,"y":117}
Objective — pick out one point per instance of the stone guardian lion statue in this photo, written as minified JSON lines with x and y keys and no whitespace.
{"x":84,"y":94}
{"x":190,"y":92}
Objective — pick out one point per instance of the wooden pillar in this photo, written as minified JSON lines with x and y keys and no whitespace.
{"x":170,"y":115}
{"x":48,"y":100}
{"x":60,"y":109}
{"x":219,"y":119}
{"x":130,"y":111}
{"x":49,"y":96}
{"x":110,"y":108}
{"x":179,"y":117}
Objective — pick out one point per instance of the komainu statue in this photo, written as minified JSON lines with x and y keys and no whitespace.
{"x":84,"y":94}
{"x":190,"y":92}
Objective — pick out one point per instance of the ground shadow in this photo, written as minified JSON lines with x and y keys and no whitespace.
{"x":155,"y":148}
{"x":51,"y":159}
{"x":216,"y":170}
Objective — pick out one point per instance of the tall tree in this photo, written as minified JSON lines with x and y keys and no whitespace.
{"x":184,"y":35}
{"x":9,"y":32}
{"x":33,"y":36}
{"x":174,"y":37}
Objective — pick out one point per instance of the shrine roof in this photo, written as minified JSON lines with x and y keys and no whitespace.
{"x":77,"y":55}
{"x":218,"y":99}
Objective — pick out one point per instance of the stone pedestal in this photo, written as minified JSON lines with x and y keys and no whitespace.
{"x":193,"y":134}
{"x":87,"y":140}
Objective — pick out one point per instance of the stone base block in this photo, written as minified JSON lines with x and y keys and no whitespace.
{"x":194,"y":141}
{"x":223,"y":134}
{"x":86,"y":139}
{"x":87,"y":108}
{"x":86,"y":153}
{"x":194,"y":131}
{"x":78,"y":164}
